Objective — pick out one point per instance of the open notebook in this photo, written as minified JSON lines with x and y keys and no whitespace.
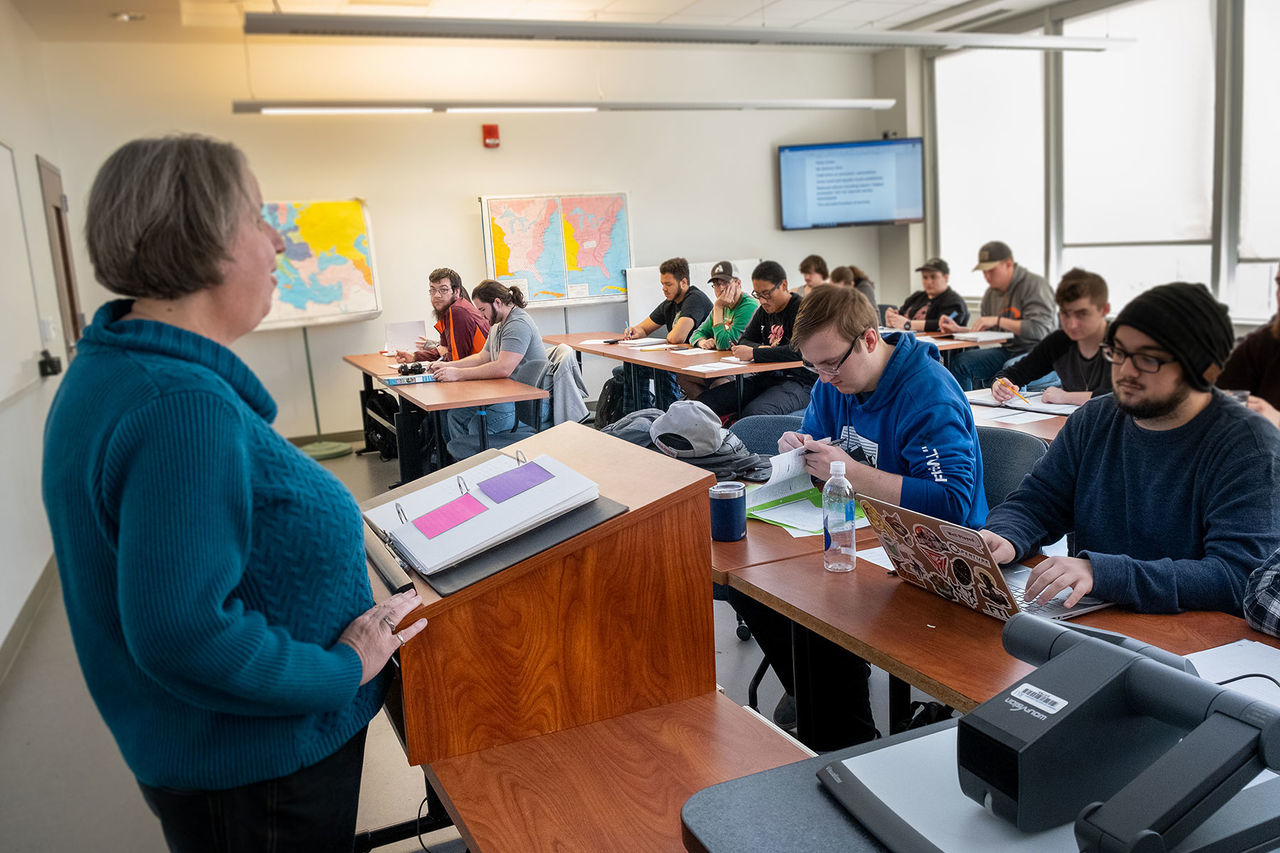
{"x":443,"y":524}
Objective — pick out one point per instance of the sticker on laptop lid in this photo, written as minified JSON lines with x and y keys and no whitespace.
{"x":964,"y":536}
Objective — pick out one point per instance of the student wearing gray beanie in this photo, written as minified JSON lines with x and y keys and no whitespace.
{"x":1171,"y":487}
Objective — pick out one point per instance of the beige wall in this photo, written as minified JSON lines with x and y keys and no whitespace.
{"x":700,"y":184}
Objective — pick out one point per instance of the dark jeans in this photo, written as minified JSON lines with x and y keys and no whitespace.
{"x":975,"y":369}
{"x":310,"y":811}
{"x":833,"y":704}
{"x":665,"y":388}
{"x":762,"y":394}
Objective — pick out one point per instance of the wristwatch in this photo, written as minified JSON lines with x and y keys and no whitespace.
{"x":907,"y":325}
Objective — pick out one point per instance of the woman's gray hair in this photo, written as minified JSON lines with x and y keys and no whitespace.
{"x":163,"y":214}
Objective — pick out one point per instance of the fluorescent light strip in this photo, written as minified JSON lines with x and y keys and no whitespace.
{"x":522,"y":109}
{"x":405,"y":26}
{"x":343,"y":111}
{"x":411,"y":107}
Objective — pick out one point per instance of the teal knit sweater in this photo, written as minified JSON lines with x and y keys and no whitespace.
{"x":208,"y":566}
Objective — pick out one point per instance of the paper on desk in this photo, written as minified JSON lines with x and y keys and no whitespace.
{"x":733,"y":359}
{"x":404,"y":336}
{"x":643,"y":342}
{"x":787,"y":478}
{"x":802,"y":512}
{"x":877,"y":556}
{"x":711,"y":366}
{"x":1238,"y":658}
{"x":987,"y":413}
{"x":692,"y":351}
{"x":1023,"y":418}
{"x":1034,"y":402}
{"x":595,"y":343}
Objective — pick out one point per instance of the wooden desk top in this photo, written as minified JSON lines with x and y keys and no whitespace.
{"x":947,"y":343}
{"x":618,"y":784}
{"x":1047,"y":429}
{"x":950,"y":652}
{"x":372,"y":363}
{"x":663,"y":359}
{"x":434,"y":396}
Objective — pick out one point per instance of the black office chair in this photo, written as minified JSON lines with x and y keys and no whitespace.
{"x":1007,"y":457}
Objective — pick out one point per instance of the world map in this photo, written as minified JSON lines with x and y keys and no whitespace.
{"x":326,"y":272}
{"x":559,"y":247}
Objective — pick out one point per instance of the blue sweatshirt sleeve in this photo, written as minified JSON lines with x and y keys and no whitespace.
{"x":183,"y":549}
{"x":1241,"y":503}
{"x":938,"y":448}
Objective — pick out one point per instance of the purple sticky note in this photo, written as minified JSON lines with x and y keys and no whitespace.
{"x":448,"y":516}
{"x":508,"y":484}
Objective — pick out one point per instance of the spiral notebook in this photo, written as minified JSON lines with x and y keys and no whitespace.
{"x":442,"y":524}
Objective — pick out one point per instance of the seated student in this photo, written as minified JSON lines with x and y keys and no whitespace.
{"x":730,"y":312}
{"x":1262,"y":596}
{"x":1016,"y":301}
{"x":935,"y":299}
{"x":857,"y":279}
{"x":1254,"y":366}
{"x":766,"y":338}
{"x":1172,"y":488}
{"x":813,"y":271}
{"x":461,"y":327}
{"x":1072,"y":351}
{"x":683,"y":310}
{"x":513,"y":340}
{"x":906,"y":434}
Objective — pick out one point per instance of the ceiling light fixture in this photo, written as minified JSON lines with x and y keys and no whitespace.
{"x":128,"y":17}
{"x":412,"y":107}
{"x":301,"y":24}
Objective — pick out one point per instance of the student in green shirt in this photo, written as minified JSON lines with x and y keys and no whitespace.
{"x":730,"y":313}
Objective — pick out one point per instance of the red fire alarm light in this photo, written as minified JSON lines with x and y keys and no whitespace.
{"x":489,"y":133}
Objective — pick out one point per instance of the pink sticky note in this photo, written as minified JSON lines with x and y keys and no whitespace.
{"x":448,"y":516}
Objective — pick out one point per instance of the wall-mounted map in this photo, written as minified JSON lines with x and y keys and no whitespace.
{"x":559,"y":248}
{"x":326,"y":272}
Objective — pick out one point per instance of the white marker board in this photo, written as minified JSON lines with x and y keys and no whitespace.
{"x":20,"y":321}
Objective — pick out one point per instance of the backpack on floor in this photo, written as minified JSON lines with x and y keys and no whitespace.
{"x":609,"y":407}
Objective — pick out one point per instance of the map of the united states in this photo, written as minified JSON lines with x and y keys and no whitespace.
{"x":561,"y":246}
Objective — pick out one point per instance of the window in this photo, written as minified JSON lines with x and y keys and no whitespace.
{"x":1138,"y":125}
{"x":1129,"y":270}
{"x":1260,"y":169}
{"x":990,"y":119}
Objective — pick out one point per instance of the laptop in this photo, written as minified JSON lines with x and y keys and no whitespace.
{"x":955,"y":563}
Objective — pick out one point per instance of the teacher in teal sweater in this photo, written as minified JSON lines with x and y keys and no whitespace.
{"x":214,"y":575}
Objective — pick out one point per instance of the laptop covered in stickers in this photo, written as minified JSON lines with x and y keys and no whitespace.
{"x":954,"y":562}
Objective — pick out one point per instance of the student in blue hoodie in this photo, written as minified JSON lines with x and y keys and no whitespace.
{"x":903,"y":428}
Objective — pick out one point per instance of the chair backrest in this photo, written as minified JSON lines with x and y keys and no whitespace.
{"x":760,"y":433}
{"x":1007,"y":457}
{"x":535,"y":372}
{"x":881,"y":308}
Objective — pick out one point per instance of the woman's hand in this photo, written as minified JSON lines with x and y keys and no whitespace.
{"x":374,"y":636}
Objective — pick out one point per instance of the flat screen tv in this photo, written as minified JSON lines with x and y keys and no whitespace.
{"x":876,"y":182}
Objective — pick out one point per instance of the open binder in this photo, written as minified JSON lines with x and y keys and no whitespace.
{"x":445,"y":523}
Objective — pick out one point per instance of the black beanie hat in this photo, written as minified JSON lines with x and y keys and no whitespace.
{"x":1187,"y":321}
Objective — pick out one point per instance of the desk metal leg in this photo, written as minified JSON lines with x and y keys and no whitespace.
{"x":409,"y":441}
{"x":366,"y":394}
{"x":436,"y":818}
{"x":738,"y":380}
{"x":484,"y":429}
{"x":899,"y":704}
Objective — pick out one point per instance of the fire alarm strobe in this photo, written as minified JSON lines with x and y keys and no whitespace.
{"x":489,"y":133}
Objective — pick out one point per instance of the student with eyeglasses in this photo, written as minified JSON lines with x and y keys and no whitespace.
{"x":905,"y":432}
{"x":767,"y":338}
{"x":1171,"y":487}
{"x":462,"y":329}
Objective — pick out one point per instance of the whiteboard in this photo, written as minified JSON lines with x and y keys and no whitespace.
{"x":644,"y":287}
{"x":19,"y":322}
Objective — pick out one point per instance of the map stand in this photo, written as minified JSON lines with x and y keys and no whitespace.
{"x":319,"y":449}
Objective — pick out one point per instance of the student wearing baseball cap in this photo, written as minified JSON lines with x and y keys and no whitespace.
{"x":935,"y":300}
{"x":1017,"y":301}
{"x":1171,"y":487}
{"x":730,"y":312}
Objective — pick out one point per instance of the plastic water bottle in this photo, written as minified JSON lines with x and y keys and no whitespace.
{"x":838,"y":508}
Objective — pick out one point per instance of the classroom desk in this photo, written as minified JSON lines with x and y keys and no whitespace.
{"x":1047,"y":429}
{"x":665,"y":360}
{"x":948,"y":651}
{"x":428,"y":400}
{"x":764,"y":543}
{"x":569,"y":702}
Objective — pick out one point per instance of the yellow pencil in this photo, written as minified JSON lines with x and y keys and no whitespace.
{"x":1014,"y":389}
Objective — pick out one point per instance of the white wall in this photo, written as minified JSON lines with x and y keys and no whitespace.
{"x":24,"y":126}
{"x":700,"y":184}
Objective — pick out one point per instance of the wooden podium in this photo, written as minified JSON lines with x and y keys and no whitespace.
{"x":615,"y":620}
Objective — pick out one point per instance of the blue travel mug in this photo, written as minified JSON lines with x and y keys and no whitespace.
{"x":728,"y":511}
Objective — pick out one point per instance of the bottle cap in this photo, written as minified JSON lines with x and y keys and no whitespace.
{"x":837,"y":469}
